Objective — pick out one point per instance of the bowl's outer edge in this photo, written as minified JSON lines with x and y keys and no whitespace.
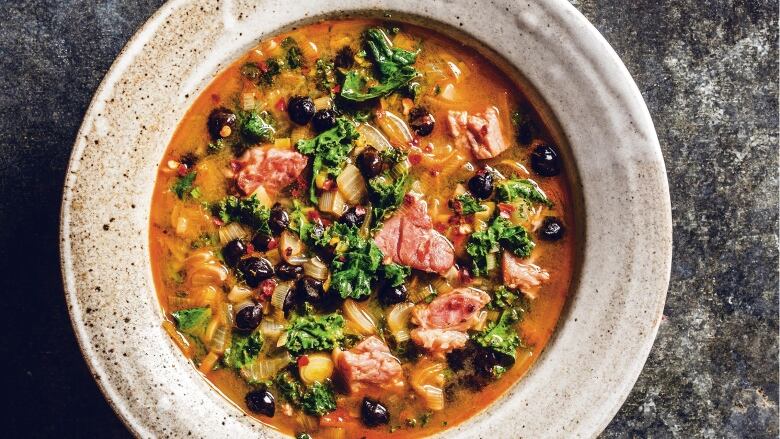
{"x":597,"y":353}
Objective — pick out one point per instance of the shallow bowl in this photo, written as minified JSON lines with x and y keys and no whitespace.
{"x":569,"y":70}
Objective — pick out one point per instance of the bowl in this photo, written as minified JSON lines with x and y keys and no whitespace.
{"x":607,"y":329}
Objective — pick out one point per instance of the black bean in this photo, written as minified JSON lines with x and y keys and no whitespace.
{"x":354,"y":216}
{"x":481,"y":185}
{"x":232,"y":251}
{"x":389,"y":295}
{"x":344,"y":58}
{"x":300,"y":109}
{"x":220,"y":118}
{"x":287,"y":271}
{"x":309,"y":289}
{"x":370,"y":162}
{"x":261,"y":242}
{"x":261,"y":401}
{"x":551,"y":230}
{"x":323,"y":120}
{"x":421,"y":121}
{"x":249,"y":317}
{"x":255,"y":270}
{"x":279,"y":219}
{"x":545,"y":161}
{"x":373,"y":413}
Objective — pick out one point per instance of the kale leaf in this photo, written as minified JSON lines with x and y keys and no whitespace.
{"x":294,"y":56}
{"x":356,"y":262}
{"x":395,"y":274}
{"x":515,"y":188}
{"x":485,"y":245}
{"x":387,"y":190}
{"x":192,"y":321}
{"x":393,"y":67}
{"x":501,"y":335}
{"x":466,"y":204}
{"x":329,"y":150}
{"x":316,"y":400}
{"x":257,"y":128}
{"x":243,"y":350}
{"x":183,"y":186}
{"x":503,"y":298}
{"x":249,"y":211}
{"x":314,"y":333}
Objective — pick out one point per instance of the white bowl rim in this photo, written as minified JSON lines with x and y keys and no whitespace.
{"x":615,"y":78}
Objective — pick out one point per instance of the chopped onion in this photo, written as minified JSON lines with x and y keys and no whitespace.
{"x":398,"y":321}
{"x":220,"y":339}
{"x":427,"y":379}
{"x":262,"y":196}
{"x":270,"y":328}
{"x":247,"y":101}
{"x":373,"y":137}
{"x":395,"y":129}
{"x":322,"y":103}
{"x":231,"y":231}
{"x":264,"y":368}
{"x":361,"y":320}
{"x":448,"y":92}
{"x":290,"y":245}
{"x":315,"y":268}
{"x":332,"y":202}
{"x":239,"y":294}
{"x":351,"y":184}
{"x":280,"y":294}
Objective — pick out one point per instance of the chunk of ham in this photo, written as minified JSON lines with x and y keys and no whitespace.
{"x":443,"y":323}
{"x":408,"y":238}
{"x":522,"y":274}
{"x":481,"y":132}
{"x":370,"y":363}
{"x":274,"y":169}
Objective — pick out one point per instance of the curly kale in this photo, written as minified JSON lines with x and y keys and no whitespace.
{"x":356,"y":263}
{"x":515,"y":188}
{"x":484,"y":246}
{"x":243,"y":350}
{"x":314,"y":333}
{"x":249,"y":211}
{"x":501,"y":335}
{"x":329,"y":150}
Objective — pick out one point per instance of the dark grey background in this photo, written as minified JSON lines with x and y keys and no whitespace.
{"x":709,"y":73}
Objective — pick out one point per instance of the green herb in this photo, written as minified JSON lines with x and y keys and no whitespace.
{"x":425,"y":418}
{"x":329,"y":150}
{"x":501,"y":335}
{"x":183,"y":185}
{"x":215,"y":146}
{"x":387,"y":190}
{"x":356,"y":262}
{"x":205,"y":240}
{"x":316,"y":400}
{"x":302,"y":436}
{"x":325,"y":76}
{"x":436,"y":90}
{"x":256,"y":128}
{"x":525,"y":129}
{"x":249,"y":211}
{"x":395,"y":274}
{"x":314,"y":333}
{"x":272,"y":69}
{"x":503,"y":298}
{"x":514,"y":189}
{"x":466,"y":204}
{"x":192,"y":321}
{"x":294,"y":57}
{"x":243,"y":350}
{"x":485,"y":245}
{"x":393,"y":68}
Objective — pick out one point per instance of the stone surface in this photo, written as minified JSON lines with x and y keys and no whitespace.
{"x":709,"y":75}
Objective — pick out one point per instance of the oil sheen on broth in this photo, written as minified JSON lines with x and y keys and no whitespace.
{"x":361,"y":229}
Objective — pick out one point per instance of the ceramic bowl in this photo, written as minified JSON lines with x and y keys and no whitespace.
{"x":615,"y":306}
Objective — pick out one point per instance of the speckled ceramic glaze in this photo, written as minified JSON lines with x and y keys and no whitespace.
{"x":607,"y":328}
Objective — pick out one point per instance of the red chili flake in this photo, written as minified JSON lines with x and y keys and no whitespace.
{"x":434,"y":172}
{"x":182,"y":170}
{"x":328,"y":185}
{"x":263,"y":66}
{"x":218,"y":222}
{"x":415,"y":142}
{"x":250,"y":248}
{"x":280,"y":104}
{"x":303,"y":360}
{"x":336,"y":88}
{"x":505,"y":210}
{"x":272,"y":244}
{"x":415,"y":158}
{"x":428,"y":147}
{"x":464,"y":276}
{"x":215,"y":98}
{"x":267,"y":287}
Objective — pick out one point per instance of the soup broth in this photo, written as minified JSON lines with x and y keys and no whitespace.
{"x":362,"y":229}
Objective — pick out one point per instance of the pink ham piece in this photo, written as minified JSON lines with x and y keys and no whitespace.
{"x":274,"y":169}
{"x":443,"y":323}
{"x":481,"y":132}
{"x":408,"y":238}
{"x":370,"y":363}
{"x":522,"y":274}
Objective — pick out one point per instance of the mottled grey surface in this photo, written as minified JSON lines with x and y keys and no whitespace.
{"x":708,"y":71}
